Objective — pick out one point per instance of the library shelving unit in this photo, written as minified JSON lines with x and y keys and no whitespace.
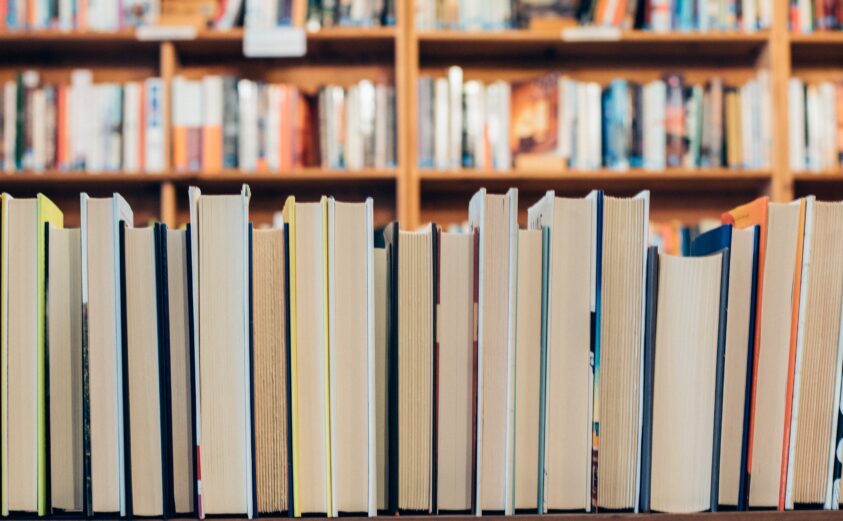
{"x":401,"y":54}
{"x":339,"y":56}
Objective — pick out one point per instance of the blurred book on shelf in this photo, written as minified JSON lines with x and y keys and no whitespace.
{"x":222,"y":122}
{"x":555,"y":15}
{"x":81,"y":125}
{"x":112,"y":15}
{"x":555,"y":121}
{"x":807,"y":16}
{"x":816,"y":125}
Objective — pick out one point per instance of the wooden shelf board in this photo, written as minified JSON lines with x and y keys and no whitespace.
{"x":637,"y":43}
{"x":313,"y":175}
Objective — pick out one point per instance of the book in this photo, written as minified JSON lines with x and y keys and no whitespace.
{"x":64,"y":344}
{"x":309,"y":355}
{"x":528,"y":370}
{"x":571,"y":227}
{"x":737,"y":373}
{"x":455,"y":375}
{"x":494,"y":216}
{"x":352,"y":356}
{"x":778,"y":326}
{"x":411,"y":259}
{"x":381,"y":317}
{"x":24,"y":377}
{"x":533,"y":126}
{"x":621,"y":238}
{"x":103,"y":368}
{"x":812,"y":440}
{"x":271,"y":413}
{"x":182,"y":365}
{"x":145,"y":353}
{"x":220,"y":270}
{"x":687,"y":378}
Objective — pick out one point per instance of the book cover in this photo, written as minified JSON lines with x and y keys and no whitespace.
{"x":533,"y":124}
{"x":652,"y":292}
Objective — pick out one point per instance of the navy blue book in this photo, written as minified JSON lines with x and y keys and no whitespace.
{"x":736,"y":392}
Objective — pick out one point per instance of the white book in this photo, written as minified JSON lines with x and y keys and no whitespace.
{"x":352,"y":152}
{"x":132,"y":147}
{"x":272,"y":129}
{"x":582,"y":133}
{"x":567,"y":116}
{"x":796,"y":122}
{"x":747,"y":136}
{"x":455,"y":95}
{"x":474,"y":108}
{"x":154,"y":125}
{"x":749,"y":14}
{"x":39,"y":130}
{"x":247,"y":139}
{"x":595,"y":130}
{"x":829,"y":123}
{"x":81,"y":117}
{"x":655,"y":100}
{"x":212,"y":100}
{"x":374,"y":119}
{"x":814,"y":128}
{"x":101,"y":220}
{"x":66,"y":14}
{"x":497,"y":124}
{"x":660,"y":19}
{"x":441,"y":124}
{"x":10,"y":90}
{"x":764,"y":116}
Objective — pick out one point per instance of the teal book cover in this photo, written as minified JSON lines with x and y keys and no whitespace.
{"x":543,"y":370}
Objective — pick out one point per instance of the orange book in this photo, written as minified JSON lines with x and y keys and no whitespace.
{"x":62,"y":154}
{"x":791,"y":358}
{"x":212,"y":99}
{"x":285,"y":146}
{"x":82,"y":15}
{"x":619,"y":14}
{"x":744,"y":216}
{"x":180,"y":148}
{"x":212,"y":148}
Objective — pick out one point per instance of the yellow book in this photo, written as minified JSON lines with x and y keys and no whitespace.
{"x":309,"y":367}
{"x":45,"y":212}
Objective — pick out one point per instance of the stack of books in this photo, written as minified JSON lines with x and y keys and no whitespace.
{"x":554,"y":122}
{"x":547,"y":15}
{"x":83,"y":125}
{"x":220,"y":122}
{"x":567,"y":366}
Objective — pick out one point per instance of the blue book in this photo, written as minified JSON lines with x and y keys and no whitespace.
{"x":743,"y":245}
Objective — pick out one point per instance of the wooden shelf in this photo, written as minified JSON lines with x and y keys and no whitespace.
{"x":573,"y":180}
{"x":310,"y":175}
{"x":511,"y":43}
{"x":327,"y":42}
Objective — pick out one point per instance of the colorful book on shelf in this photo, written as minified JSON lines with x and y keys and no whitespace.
{"x":24,"y":406}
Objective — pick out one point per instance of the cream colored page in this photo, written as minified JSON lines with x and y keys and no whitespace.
{"x":222,"y":354}
{"x":144,"y":396}
{"x":771,"y":382}
{"x":569,"y":351}
{"x":310,"y":349}
{"x":22,"y":340}
{"x":350,"y":366}
{"x":734,"y":371}
{"x":180,"y":382}
{"x":455,"y":320}
{"x":528,"y":368}
{"x":684,"y":382}
{"x":102,"y":357}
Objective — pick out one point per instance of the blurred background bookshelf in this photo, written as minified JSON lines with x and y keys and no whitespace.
{"x":407,"y":47}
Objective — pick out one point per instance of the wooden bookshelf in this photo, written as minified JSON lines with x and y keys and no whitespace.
{"x":401,"y":55}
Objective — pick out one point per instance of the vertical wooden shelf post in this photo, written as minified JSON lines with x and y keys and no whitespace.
{"x":169,"y":197}
{"x":777,"y":58}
